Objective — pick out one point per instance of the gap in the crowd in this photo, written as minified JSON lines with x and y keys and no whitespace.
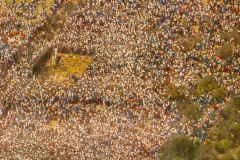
{"x":65,"y":67}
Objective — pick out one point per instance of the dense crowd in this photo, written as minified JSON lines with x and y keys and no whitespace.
{"x":120,"y":107}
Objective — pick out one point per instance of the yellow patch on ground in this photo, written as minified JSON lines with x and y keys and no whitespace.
{"x":69,"y":63}
{"x":47,"y":2}
{"x":204,"y":1}
{"x":195,"y":28}
{"x":39,"y":7}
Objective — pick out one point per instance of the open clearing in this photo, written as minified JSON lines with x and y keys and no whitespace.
{"x":69,"y":63}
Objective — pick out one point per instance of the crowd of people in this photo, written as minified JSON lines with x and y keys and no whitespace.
{"x":120,"y":107}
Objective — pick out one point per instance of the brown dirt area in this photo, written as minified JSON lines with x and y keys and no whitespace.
{"x":69,"y":63}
